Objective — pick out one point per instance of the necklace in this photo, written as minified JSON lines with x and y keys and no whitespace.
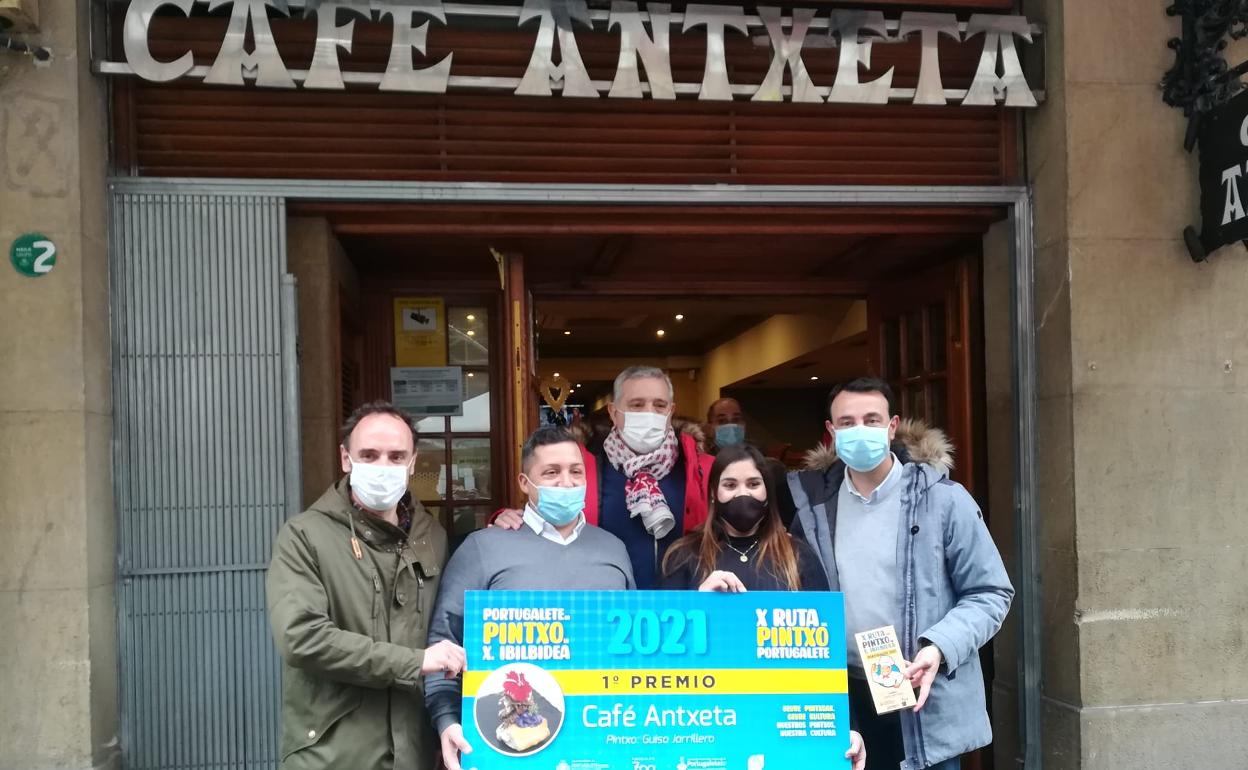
{"x":745,"y":555}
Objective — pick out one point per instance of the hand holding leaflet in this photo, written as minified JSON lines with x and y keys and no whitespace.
{"x":922,"y":672}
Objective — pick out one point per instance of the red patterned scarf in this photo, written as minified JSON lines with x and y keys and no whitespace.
{"x":644,"y":472}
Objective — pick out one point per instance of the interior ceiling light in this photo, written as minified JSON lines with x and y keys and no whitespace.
{"x":556,"y":375}
{"x":680,"y":316}
{"x":472,"y":374}
{"x":471,"y":317}
{"x":816,"y":377}
{"x":567,"y":333}
{"x":578,"y":384}
{"x":471,"y":333}
{"x":660,"y":333}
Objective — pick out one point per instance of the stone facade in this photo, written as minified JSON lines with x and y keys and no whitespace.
{"x":1141,"y":412}
{"x":58,"y":630}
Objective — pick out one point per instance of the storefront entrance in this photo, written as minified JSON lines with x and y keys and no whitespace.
{"x":507,"y":290}
{"x":733,"y":298}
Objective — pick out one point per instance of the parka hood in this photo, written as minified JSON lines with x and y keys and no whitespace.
{"x":915,"y":442}
{"x":336,"y":504}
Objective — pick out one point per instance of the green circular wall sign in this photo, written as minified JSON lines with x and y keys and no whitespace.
{"x":33,"y":255}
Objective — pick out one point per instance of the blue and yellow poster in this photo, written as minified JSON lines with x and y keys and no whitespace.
{"x":655,"y":680}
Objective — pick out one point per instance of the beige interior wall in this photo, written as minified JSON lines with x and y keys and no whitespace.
{"x":58,"y":668}
{"x":775,"y":341}
{"x":324,"y":275}
{"x":698,"y":380}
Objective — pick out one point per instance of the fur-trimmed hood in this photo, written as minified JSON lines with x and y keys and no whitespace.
{"x":916,"y":442}
{"x":592,"y":433}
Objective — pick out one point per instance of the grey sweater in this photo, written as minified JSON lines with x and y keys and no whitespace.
{"x":497,"y":559}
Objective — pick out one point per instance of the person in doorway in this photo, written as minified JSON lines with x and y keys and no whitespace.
{"x":555,"y":549}
{"x":908,"y":548}
{"x":725,"y":424}
{"x":744,"y":545}
{"x":646,"y":481}
{"x":350,"y":590}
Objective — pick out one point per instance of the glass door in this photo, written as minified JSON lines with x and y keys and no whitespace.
{"x":455,"y":462}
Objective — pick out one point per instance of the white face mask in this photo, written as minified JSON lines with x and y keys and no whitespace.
{"x":378,"y":487}
{"x":644,"y":431}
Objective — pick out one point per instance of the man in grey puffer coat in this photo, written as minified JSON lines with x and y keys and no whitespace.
{"x":908,"y":548}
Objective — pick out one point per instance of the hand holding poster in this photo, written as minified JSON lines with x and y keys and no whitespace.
{"x":643,"y":680}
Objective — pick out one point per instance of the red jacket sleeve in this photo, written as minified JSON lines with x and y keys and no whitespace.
{"x":591,"y":486}
{"x":697,"y":475}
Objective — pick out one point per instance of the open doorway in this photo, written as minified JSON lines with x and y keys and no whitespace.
{"x":768,"y":299}
{"x":774,"y":356}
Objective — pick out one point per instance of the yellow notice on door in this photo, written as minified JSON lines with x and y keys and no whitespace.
{"x":419,"y":331}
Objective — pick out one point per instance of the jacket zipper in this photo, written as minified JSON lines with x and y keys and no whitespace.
{"x":913,"y":615}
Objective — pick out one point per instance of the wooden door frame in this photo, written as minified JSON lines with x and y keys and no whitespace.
{"x":520,"y":369}
{"x":965,"y":411}
{"x":1016,"y":200}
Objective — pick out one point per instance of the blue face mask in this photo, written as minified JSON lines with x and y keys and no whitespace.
{"x":729,"y":434}
{"x":560,"y":505}
{"x":862,"y":447}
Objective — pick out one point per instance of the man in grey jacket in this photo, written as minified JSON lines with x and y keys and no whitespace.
{"x":554,"y":549}
{"x":908,"y":548}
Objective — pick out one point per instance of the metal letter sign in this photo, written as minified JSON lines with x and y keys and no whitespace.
{"x":999,"y":33}
{"x":786,"y":52}
{"x":325,"y":71}
{"x":930,"y":26}
{"x":715,"y":85}
{"x":644,"y":35}
{"x":400,"y":76}
{"x":263,"y":60}
{"x":138,"y":18}
{"x":655,"y":53}
{"x":848,"y":25}
{"x":556,"y":23}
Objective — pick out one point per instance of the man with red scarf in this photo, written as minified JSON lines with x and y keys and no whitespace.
{"x":646,"y":480}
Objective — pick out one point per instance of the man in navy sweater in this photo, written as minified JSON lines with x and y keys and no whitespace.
{"x":554,"y":549}
{"x":645,"y":481}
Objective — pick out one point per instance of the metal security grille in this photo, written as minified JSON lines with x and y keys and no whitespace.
{"x":206,"y":457}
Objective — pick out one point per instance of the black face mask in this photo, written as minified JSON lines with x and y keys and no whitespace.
{"x":742,"y":512}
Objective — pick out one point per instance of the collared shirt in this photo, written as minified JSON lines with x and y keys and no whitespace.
{"x":885,"y":488}
{"x":865,"y":544}
{"x":547,"y":530}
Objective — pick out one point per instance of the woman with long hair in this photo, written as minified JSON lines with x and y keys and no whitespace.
{"x":744,"y":545}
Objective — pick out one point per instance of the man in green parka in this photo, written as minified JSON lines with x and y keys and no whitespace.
{"x":350,"y":593}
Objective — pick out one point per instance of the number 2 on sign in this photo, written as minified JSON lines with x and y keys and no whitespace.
{"x":648,"y":632}
{"x":47,"y":256}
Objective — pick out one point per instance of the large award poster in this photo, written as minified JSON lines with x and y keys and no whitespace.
{"x":655,"y":680}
